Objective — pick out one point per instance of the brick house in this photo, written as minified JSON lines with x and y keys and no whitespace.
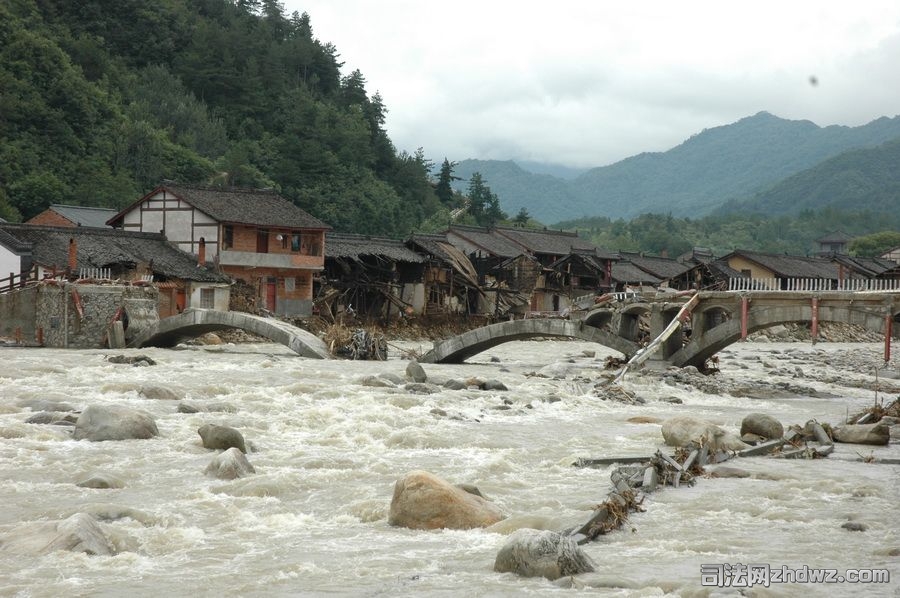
{"x":252,"y":235}
{"x":126,"y":257}
{"x":67,"y":216}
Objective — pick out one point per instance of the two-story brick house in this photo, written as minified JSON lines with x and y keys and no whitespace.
{"x":252,"y":235}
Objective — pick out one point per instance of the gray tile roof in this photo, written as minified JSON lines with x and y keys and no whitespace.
{"x":343,"y":245}
{"x":487,"y":240}
{"x":626,"y":272}
{"x":105,"y":247}
{"x":83,"y":215}
{"x":240,"y":206}
{"x":790,"y":266}
{"x":552,"y":242}
{"x":660,"y":267}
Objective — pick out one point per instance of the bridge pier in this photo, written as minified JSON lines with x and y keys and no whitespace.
{"x":660,"y":317}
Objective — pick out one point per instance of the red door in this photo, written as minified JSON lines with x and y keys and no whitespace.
{"x":271,"y":294}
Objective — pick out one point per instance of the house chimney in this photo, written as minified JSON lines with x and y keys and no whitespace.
{"x":201,"y":252}
{"x":73,"y":254}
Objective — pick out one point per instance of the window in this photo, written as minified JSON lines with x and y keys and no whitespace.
{"x":295,"y":242}
{"x":747,"y":273}
{"x":262,"y":240}
{"x":227,"y":236}
{"x":207,"y":298}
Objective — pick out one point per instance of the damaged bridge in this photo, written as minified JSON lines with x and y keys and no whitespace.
{"x":716,"y":319}
{"x":193,"y":322}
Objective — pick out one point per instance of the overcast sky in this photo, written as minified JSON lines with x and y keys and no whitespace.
{"x":588,"y":83}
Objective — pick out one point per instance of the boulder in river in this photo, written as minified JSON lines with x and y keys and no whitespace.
{"x":424,"y":501}
{"x":877,"y":434}
{"x":533,"y":553}
{"x":229,"y":465}
{"x":78,"y":533}
{"x":219,"y":437}
{"x":114,"y":422}
{"x":416,"y":372}
{"x":685,"y":431}
{"x":158,"y":393}
{"x":762,"y":425}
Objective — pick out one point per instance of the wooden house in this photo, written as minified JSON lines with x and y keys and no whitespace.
{"x":372,"y":276}
{"x":668,"y":271}
{"x":450,"y":281}
{"x":252,"y":235}
{"x":835,"y":242}
{"x":817,"y":271}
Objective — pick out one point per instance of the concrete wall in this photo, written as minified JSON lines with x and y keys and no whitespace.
{"x":18,"y":310}
{"x":62,"y":326}
{"x":221,"y":297}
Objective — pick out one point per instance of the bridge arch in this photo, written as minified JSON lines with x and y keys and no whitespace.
{"x":702,"y":347}
{"x":459,"y":348}
{"x":194,"y":322}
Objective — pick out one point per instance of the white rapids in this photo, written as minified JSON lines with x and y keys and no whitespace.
{"x":327,"y":451}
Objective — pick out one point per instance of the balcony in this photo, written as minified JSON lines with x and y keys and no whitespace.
{"x":249,"y":259}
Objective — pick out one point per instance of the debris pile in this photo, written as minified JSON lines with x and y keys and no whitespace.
{"x":358,"y":344}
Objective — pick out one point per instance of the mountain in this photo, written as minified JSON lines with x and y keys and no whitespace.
{"x":543,"y":195}
{"x":857,"y":180}
{"x":710,"y":168}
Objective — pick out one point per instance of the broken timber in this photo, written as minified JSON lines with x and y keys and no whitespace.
{"x":637,"y":476}
{"x":645,"y":353}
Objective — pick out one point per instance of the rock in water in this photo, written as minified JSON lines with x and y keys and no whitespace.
{"x":533,"y":553}
{"x":877,"y":434}
{"x":762,"y":425}
{"x":229,"y":465}
{"x":78,"y":533}
{"x":424,"y":501}
{"x":114,"y":422}
{"x":221,"y":437}
{"x":158,"y":393}
{"x":416,"y":372}
{"x":684,"y":431}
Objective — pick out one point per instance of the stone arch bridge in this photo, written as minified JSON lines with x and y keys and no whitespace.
{"x":719,"y":319}
{"x":193,"y":322}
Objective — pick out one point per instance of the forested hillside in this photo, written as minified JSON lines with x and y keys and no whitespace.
{"x":724,"y":163}
{"x":101,"y":100}
{"x":863,"y":179}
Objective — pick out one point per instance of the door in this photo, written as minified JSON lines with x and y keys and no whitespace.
{"x":271,"y":294}
{"x":180,"y":300}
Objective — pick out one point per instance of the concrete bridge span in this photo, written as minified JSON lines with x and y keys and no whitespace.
{"x":719,"y":319}
{"x":194,"y":322}
{"x":873,"y":311}
{"x":459,"y":348}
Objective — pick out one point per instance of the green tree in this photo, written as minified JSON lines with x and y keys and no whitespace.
{"x":445,"y":180}
{"x":875,"y":244}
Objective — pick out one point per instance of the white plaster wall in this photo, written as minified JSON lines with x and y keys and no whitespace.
{"x":9,"y":262}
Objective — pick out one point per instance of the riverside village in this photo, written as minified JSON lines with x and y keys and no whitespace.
{"x":702,"y":373}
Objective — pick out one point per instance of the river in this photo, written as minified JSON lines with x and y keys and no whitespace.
{"x":328,"y":450}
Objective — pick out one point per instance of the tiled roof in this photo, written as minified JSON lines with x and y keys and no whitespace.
{"x":240,"y":206}
{"x":104,"y":247}
{"x":353,"y":246}
{"x":13,"y":243}
{"x":487,"y":240}
{"x":83,"y":215}
{"x":835,"y":237}
{"x":626,"y":272}
{"x":868,"y":266}
{"x":553,"y":242}
{"x":660,"y":267}
{"x":791,"y":266}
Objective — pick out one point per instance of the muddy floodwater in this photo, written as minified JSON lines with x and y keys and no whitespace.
{"x":327,"y":451}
